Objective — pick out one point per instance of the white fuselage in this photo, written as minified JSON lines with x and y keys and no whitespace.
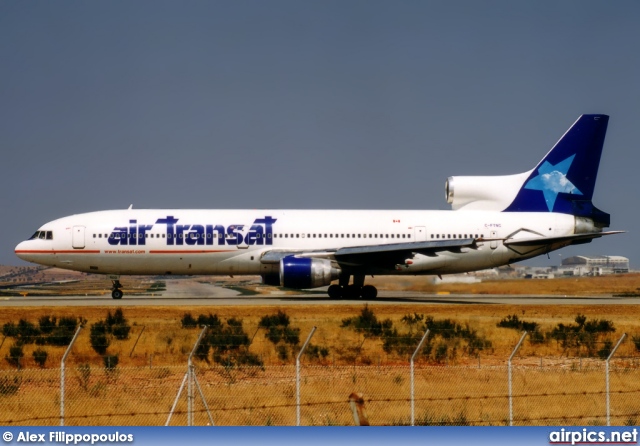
{"x":228,"y":242}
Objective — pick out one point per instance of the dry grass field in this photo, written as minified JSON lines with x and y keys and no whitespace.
{"x":569,"y":390}
{"x":157,"y":336}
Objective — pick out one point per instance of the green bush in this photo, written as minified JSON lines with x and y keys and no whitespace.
{"x":99,"y":340}
{"x":367,"y":323}
{"x":188,"y":321}
{"x":40,"y":357}
{"x":15,"y":355}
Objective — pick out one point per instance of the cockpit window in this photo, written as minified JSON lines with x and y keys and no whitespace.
{"x":44,"y":235}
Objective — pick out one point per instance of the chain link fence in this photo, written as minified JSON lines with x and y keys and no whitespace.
{"x":566,"y":393}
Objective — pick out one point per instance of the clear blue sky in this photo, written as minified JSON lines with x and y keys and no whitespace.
{"x":293,"y":104}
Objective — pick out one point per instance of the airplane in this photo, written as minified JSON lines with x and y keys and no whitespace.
{"x":494,"y":221}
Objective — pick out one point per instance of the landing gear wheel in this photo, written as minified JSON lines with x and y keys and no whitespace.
{"x":369,"y":292}
{"x":117,"y":294}
{"x":351,"y":292}
{"x":335,"y":292}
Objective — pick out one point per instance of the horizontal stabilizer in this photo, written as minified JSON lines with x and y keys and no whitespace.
{"x":574,"y":239}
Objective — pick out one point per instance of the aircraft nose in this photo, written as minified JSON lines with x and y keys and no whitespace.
{"x":22,"y":250}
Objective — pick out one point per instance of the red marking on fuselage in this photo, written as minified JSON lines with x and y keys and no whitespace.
{"x":35,"y":251}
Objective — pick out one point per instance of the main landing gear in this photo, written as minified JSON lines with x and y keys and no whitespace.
{"x":358,"y":290}
{"x":116,"y":292}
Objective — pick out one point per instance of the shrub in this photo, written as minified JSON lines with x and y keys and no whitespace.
{"x":117,"y":324}
{"x":605,"y":351}
{"x":367,"y":323}
{"x":316,"y":351}
{"x":121,"y":331}
{"x":211,"y":320}
{"x":15,"y":355}
{"x":636,"y":342}
{"x":40,"y":357}
{"x":98,"y":337}
{"x":512,"y":321}
{"x":47,"y":324}
{"x":27,"y":332}
{"x":188,"y":321}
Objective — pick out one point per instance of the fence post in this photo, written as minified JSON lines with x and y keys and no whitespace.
{"x":306,"y":343}
{"x":190,"y":378}
{"x":136,"y":343}
{"x":424,"y":337}
{"x":510,"y":386}
{"x":624,"y":335}
{"x":64,"y":358}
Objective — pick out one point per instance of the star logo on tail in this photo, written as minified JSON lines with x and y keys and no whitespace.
{"x":552,"y":180}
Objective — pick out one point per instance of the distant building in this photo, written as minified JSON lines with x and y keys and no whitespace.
{"x":593,"y":265}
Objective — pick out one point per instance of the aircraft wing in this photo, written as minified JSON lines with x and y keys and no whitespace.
{"x":387,"y":255}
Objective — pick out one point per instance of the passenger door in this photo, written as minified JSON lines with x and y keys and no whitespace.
{"x":77,"y":237}
{"x":419,"y":234}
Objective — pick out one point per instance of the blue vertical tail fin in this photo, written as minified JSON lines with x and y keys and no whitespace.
{"x":565,"y":178}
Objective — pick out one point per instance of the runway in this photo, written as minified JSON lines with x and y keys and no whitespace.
{"x":197,"y":292}
{"x":211,"y":295}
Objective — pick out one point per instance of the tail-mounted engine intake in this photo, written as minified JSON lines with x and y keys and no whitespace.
{"x":486,"y":192}
{"x":302,"y":273}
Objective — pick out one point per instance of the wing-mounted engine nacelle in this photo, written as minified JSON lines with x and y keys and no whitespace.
{"x":487,"y":193}
{"x":300,"y":273}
